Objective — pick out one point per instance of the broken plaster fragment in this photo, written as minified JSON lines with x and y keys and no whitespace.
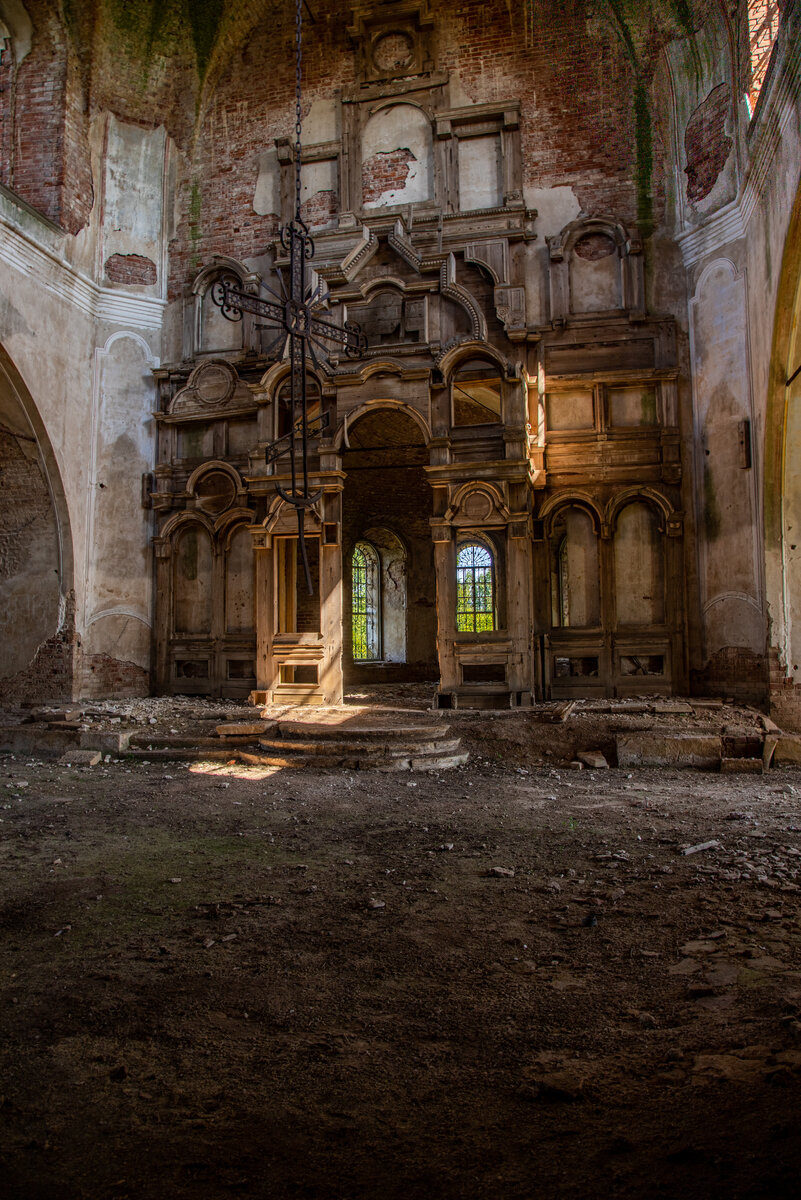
{"x":713,"y":845}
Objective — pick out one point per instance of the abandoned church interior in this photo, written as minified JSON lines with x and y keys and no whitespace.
{"x":400,"y":426}
{"x":563,"y":462}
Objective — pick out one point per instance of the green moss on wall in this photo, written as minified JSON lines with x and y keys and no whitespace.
{"x":195,"y":206}
{"x":644,"y":160}
{"x":204,"y":21}
{"x":152,"y":27}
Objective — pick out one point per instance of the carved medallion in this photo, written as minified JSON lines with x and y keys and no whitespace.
{"x":215,"y":492}
{"x":393,"y":51}
{"x":213,"y":383}
{"x":477,"y":506}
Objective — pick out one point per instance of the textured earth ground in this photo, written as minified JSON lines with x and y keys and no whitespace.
{"x":506,"y":980}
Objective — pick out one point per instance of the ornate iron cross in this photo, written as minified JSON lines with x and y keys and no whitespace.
{"x":297,"y":315}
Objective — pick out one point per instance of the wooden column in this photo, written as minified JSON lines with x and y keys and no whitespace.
{"x":518,"y":610}
{"x":445,"y":570}
{"x":264,"y":609}
{"x":163,"y":551}
{"x":331,"y":619}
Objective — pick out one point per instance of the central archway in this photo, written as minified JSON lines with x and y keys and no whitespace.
{"x":36,"y":562}
{"x":388,"y":555}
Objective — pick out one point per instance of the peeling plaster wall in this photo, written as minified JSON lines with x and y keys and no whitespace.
{"x":92,"y":396}
{"x":397,"y":157}
{"x":118,"y":569}
{"x":732,"y":212}
{"x":31,"y":585}
{"x":133,"y":189}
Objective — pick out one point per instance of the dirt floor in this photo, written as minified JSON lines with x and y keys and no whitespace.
{"x":507,"y":979}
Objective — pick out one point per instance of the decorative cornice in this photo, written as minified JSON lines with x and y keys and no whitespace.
{"x":39,"y":259}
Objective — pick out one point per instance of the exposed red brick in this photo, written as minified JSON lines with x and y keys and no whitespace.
{"x":131,"y":269}
{"x":733,"y":671}
{"x":594,"y":246}
{"x":319,"y":209}
{"x":102,"y":676}
{"x":51,"y":675}
{"x":386,"y":171}
{"x":706,"y":143}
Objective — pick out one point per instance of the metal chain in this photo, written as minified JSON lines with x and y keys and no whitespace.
{"x":298,"y":69}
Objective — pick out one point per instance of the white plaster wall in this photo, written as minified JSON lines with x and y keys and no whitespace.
{"x":95,"y":411}
{"x":765,"y":246}
{"x":133,"y":190}
{"x":267,"y":197}
{"x":118,"y":559}
{"x":402,"y":127}
{"x":480,"y":178}
{"x":729,"y":542}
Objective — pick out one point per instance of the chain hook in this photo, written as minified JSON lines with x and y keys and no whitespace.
{"x":298,"y":108}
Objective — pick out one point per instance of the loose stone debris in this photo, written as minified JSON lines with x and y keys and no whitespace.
{"x":520,"y":956}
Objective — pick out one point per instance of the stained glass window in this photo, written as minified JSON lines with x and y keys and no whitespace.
{"x":366,"y":603}
{"x":475,"y":589}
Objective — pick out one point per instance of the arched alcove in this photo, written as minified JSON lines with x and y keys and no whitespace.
{"x":387,"y":503}
{"x":575,"y":574}
{"x":639,"y":567}
{"x":192,"y":561}
{"x":36,"y":567}
{"x":397,"y":157}
{"x":213,"y":332}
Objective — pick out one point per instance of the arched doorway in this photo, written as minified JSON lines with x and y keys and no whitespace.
{"x":36,"y":570}
{"x":389,"y":591}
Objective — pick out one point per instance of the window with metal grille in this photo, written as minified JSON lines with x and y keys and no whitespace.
{"x":366,"y":604}
{"x":475,"y":589}
{"x":763,"y":26}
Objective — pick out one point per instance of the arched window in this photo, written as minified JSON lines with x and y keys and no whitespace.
{"x":475,"y":589}
{"x":365,"y":610}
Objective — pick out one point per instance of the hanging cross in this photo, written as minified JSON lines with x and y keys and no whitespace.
{"x":297,"y":315}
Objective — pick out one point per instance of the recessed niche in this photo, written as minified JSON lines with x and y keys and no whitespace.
{"x":215,"y":492}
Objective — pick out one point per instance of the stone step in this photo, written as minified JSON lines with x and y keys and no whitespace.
{"x":354,"y":762}
{"x":141,"y":741}
{"x":362,"y":732}
{"x":359,"y":747}
{"x":656,"y":749}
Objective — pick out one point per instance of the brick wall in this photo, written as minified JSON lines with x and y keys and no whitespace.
{"x":565,"y":62}
{"x":130,"y":269}
{"x":6,"y":117}
{"x":45,"y":157}
{"x":706,"y":143}
{"x":570,"y":72}
{"x":51,"y":674}
{"x":733,"y":671}
{"x":384,"y":172}
{"x":103,"y":676}
{"x":38,"y":133}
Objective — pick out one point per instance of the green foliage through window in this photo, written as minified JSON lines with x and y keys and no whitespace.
{"x":365,"y":603}
{"x":475,"y":590}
